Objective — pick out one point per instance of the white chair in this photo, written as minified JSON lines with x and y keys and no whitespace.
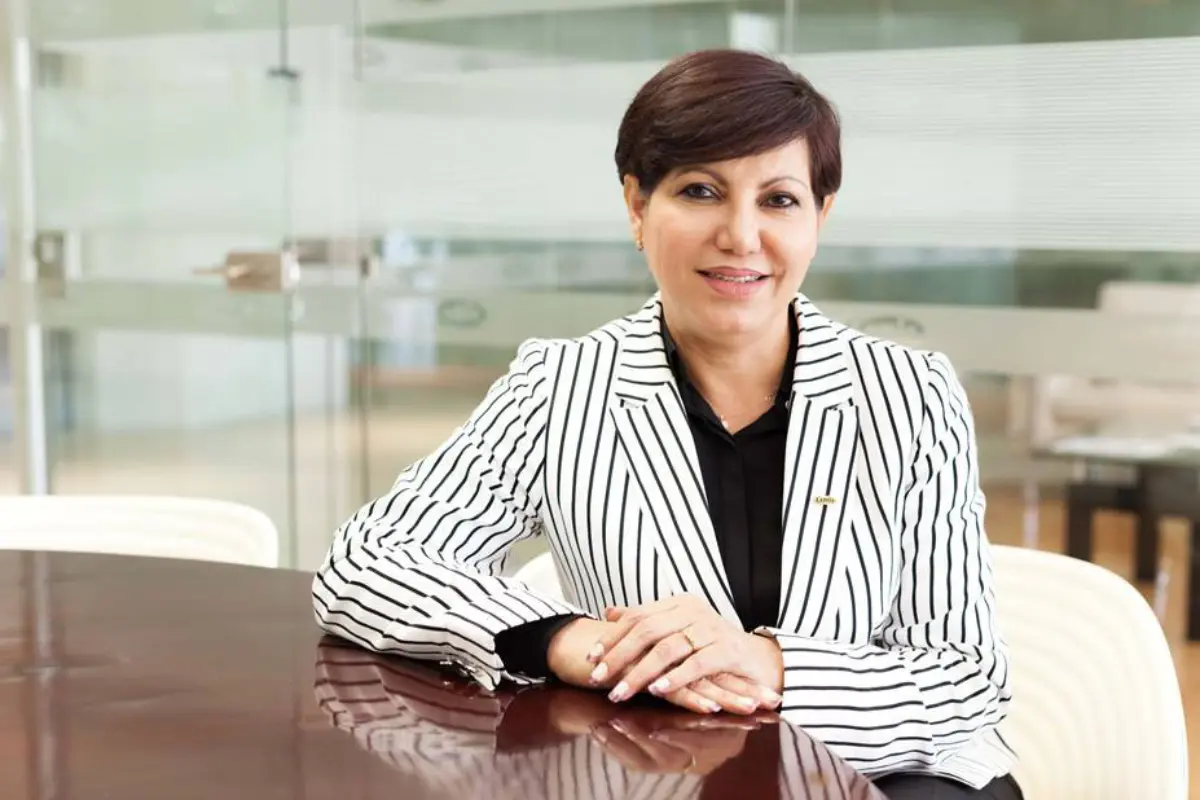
{"x":1097,"y":713}
{"x":166,"y":527}
{"x":540,"y":574}
{"x":1096,"y":709}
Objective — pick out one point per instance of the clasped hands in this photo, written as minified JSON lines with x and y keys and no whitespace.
{"x":678,"y":649}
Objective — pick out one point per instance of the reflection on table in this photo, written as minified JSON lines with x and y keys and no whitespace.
{"x":451,"y":738}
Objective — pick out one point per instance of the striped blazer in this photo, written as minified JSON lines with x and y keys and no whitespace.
{"x":887,"y":619}
{"x":446,"y":743}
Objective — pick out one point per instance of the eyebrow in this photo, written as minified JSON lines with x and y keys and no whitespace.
{"x":763,"y":185}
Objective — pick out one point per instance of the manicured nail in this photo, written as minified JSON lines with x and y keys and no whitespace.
{"x":772,"y":699}
{"x":659,"y":686}
{"x":711,"y":706}
{"x":619,"y":691}
{"x":746,"y":703}
{"x":595,"y":653}
{"x":598,"y":673}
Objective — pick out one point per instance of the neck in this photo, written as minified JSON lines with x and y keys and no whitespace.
{"x":748,"y":366}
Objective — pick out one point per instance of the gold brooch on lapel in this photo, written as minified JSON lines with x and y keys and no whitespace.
{"x":824,"y":500}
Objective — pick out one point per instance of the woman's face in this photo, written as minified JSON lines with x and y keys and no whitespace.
{"x":729,"y":242}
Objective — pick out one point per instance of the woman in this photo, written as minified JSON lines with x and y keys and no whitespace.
{"x":751,"y":506}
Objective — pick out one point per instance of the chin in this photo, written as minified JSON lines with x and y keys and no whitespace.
{"x":732,"y":320}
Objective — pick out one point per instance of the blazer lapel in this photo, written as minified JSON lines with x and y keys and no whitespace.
{"x":653,"y":432}
{"x":822,"y":446}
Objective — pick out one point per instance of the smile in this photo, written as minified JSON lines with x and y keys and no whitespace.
{"x":734,"y":278}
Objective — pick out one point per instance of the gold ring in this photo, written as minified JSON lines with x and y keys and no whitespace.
{"x":687,"y":634}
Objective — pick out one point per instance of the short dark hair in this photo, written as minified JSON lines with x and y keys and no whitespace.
{"x":717,"y":105}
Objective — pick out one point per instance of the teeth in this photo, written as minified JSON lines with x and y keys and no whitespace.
{"x":731,"y":279}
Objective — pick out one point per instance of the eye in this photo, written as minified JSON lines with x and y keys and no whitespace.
{"x":698,"y":191}
{"x":782,"y":200}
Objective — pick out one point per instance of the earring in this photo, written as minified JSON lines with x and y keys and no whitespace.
{"x":637,"y":242}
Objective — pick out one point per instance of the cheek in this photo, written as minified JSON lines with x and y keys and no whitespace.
{"x":676,"y":242}
{"x":796,"y":246}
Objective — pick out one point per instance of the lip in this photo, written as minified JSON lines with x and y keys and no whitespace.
{"x":718,"y":281}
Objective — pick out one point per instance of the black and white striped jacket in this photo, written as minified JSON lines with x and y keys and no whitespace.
{"x":887,"y":620}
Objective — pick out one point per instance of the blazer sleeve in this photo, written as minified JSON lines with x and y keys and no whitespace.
{"x":936,"y":674}
{"x":416,"y":572}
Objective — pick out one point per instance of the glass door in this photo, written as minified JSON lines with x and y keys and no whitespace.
{"x":151,"y":286}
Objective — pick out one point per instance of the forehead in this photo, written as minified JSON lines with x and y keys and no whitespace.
{"x":790,"y":159}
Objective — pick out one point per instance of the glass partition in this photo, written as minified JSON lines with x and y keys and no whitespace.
{"x":1022,"y":191}
{"x":1016,"y":175}
{"x":157,"y":295}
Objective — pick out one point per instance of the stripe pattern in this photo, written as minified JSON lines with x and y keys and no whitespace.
{"x":887,"y":619}
{"x":446,"y":743}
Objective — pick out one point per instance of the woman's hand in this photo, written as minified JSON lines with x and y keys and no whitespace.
{"x":567,"y":655}
{"x":674,"y":747}
{"x":685,"y":652}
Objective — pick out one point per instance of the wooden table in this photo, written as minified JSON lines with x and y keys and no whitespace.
{"x":142,"y":678}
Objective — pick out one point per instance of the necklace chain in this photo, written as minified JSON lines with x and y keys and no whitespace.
{"x":770,"y":398}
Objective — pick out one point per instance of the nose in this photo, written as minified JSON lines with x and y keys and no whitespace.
{"x":740,"y":233}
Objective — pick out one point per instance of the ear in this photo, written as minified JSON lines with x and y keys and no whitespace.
{"x":823,"y":213}
{"x":635,"y":204}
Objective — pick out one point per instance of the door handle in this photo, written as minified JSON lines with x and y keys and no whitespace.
{"x":227,"y":271}
{"x":257,"y":270}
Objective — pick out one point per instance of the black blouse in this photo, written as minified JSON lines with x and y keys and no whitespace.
{"x":743,"y":479}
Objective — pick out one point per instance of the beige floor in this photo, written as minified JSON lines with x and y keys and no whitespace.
{"x":249,"y":463}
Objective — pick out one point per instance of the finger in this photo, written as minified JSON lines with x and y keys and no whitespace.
{"x":632,"y":744}
{"x":693,"y":701}
{"x":622,"y":748}
{"x":734,"y":702}
{"x":719,"y":722}
{"x":767,"y":698}
{"x":696,"y":740}
{"x":705,"y":662}
{"x":668,"y":652}
{"x":611,"y":614}
{"x":629,"y":619}
{"x":637,"y":639}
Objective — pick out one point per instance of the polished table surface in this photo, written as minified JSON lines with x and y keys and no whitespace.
{"x":145,"y":678}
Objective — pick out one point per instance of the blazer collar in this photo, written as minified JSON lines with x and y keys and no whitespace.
{"x":821,"y":373}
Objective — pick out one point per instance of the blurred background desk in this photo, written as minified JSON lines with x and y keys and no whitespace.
{"x":1165,"y":483}
{"x":149,"y":678}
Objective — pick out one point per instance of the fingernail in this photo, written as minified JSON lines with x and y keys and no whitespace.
{"x":711,"y":706}
{"x":772,"y":698}
{"x":619,"y":691}
{"x":595,"y":653}
{"x":598,"y":673}
{"x":746,"y":703}
{"x":659,"y":686}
